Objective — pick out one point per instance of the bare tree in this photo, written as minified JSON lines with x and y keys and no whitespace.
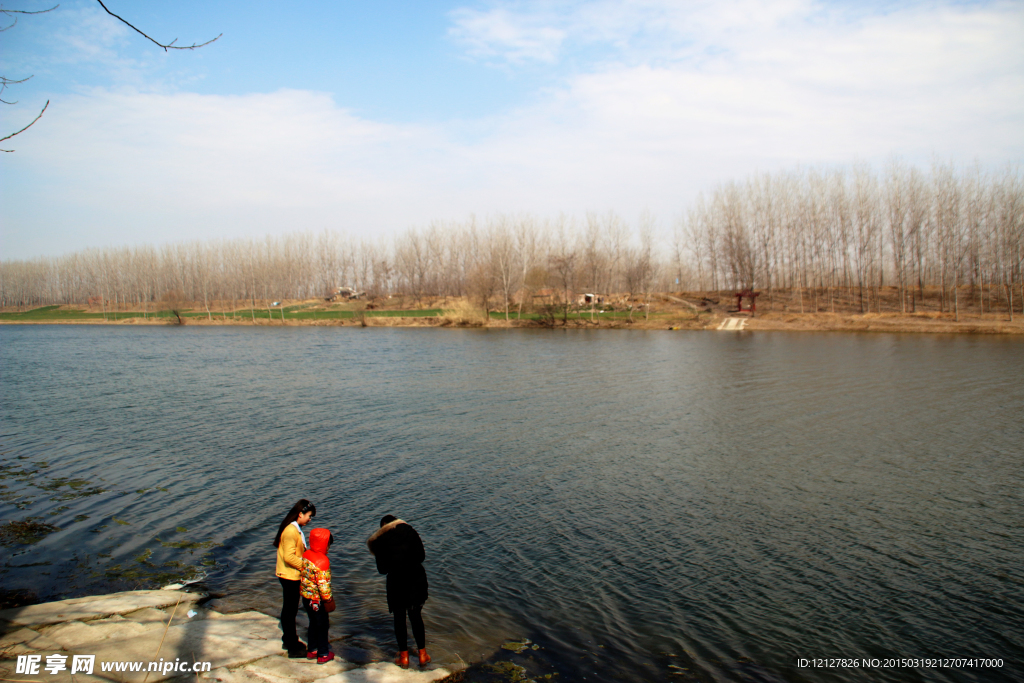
{"x":813,"y":233}
{"x":168,"y":46}
{"x":563,"y":263}
{"x":5,"y":82}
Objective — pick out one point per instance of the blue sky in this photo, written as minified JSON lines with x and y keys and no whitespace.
{"x":371,"y":118}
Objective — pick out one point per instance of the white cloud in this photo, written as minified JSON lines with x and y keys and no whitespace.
{"x":86,"y":34}
{"x":515,"y":38}
{"x":794,"y":80}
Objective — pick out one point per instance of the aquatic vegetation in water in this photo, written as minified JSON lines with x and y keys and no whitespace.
{"x":64,"y":488}
{"x":11,"y":471}
{"x":17,"y":597}
{"x":121,"y":521}
{"x":80,"y":518}
{"x":190,"y":546}
{"x":520,"y":646}
{"x":74,"y":494}
{"x":12,"y":498}
{"x":512,"y":671}
{"x":25,"y":531}
{"x":59,"y":482}
{"x":181,"y":530}
{"x":77,"y":488}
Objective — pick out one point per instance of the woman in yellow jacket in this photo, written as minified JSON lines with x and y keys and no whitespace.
{"x":291,"y":544}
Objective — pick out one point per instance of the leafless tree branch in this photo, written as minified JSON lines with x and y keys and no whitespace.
{"x":4,"y":82}
{"x":9,"y":12}
{"x":169,"y":46}
{"x":26,"y":127}
{"x":23,"y":11}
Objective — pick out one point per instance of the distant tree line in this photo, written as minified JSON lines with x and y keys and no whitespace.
{"x":811,"y":232}
{"x":501,"y":261}
{"x":819,"y":232}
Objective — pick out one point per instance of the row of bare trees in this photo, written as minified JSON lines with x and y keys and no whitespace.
{"x":503,"y":261}
{"x":813,"y":232}
{"x":820,"y":232}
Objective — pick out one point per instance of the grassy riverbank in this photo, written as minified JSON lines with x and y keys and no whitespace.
{"x":790,"y":311}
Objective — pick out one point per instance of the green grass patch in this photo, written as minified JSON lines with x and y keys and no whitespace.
{"x":58,"y":314}
{"x":52,"y":313}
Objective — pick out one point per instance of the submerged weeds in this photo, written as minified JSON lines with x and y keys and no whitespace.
{"x":25,"y":531}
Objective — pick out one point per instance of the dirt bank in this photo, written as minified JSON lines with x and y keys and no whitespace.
{"x":839,"y":311}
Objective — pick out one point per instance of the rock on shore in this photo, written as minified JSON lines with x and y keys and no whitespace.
{"x":169,"y":625}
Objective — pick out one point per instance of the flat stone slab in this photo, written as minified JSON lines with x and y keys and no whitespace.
{"x":280,"y":669}
{"x":25,"y":640}
{"x":378,"y":672}
{"x":140,"y":627}
{"x":80,"y":635}
{"x":96,"y":607}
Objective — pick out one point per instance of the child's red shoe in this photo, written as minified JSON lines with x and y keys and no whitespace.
{"x":311,"y":655}
{"x":326,"y":658}
{"x":402,"y":659}
{"x":424,"y":657}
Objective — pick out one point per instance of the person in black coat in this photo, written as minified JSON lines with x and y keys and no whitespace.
{"x":399,"y":553}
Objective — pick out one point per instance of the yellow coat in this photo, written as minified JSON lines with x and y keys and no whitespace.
{"x":289,"y":554}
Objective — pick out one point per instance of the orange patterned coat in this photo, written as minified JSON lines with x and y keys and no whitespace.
{"x":315,"y":577}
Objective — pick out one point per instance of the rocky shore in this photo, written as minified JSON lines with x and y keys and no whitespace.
{"x":174,"y":629}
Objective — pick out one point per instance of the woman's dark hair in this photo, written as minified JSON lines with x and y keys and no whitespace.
{"x":387,"y":519}
{"x":299,"y":508}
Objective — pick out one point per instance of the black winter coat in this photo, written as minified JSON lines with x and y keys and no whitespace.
{"x":399,"y":553}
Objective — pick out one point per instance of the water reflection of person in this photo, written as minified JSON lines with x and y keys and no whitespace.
{"x":291,"y":543}
{"x":399,"y":553}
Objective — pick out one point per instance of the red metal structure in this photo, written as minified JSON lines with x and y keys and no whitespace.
{"x":750,"y":294}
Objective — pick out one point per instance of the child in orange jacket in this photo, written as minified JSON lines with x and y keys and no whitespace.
{"x":315,"y":587}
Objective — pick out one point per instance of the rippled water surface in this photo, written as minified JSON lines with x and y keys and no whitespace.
{"x":641,"y":505}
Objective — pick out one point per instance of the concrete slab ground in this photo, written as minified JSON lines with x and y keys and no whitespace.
{"x":733,"y":324}
{"x":171,"y":629}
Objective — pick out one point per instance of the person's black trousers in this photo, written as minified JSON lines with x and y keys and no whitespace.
{"x":289,"y":608}
{"x":319,"y":625}
{"x":416,"y":619}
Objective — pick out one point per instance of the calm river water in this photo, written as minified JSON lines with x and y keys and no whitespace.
{"x":640,"y":505}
